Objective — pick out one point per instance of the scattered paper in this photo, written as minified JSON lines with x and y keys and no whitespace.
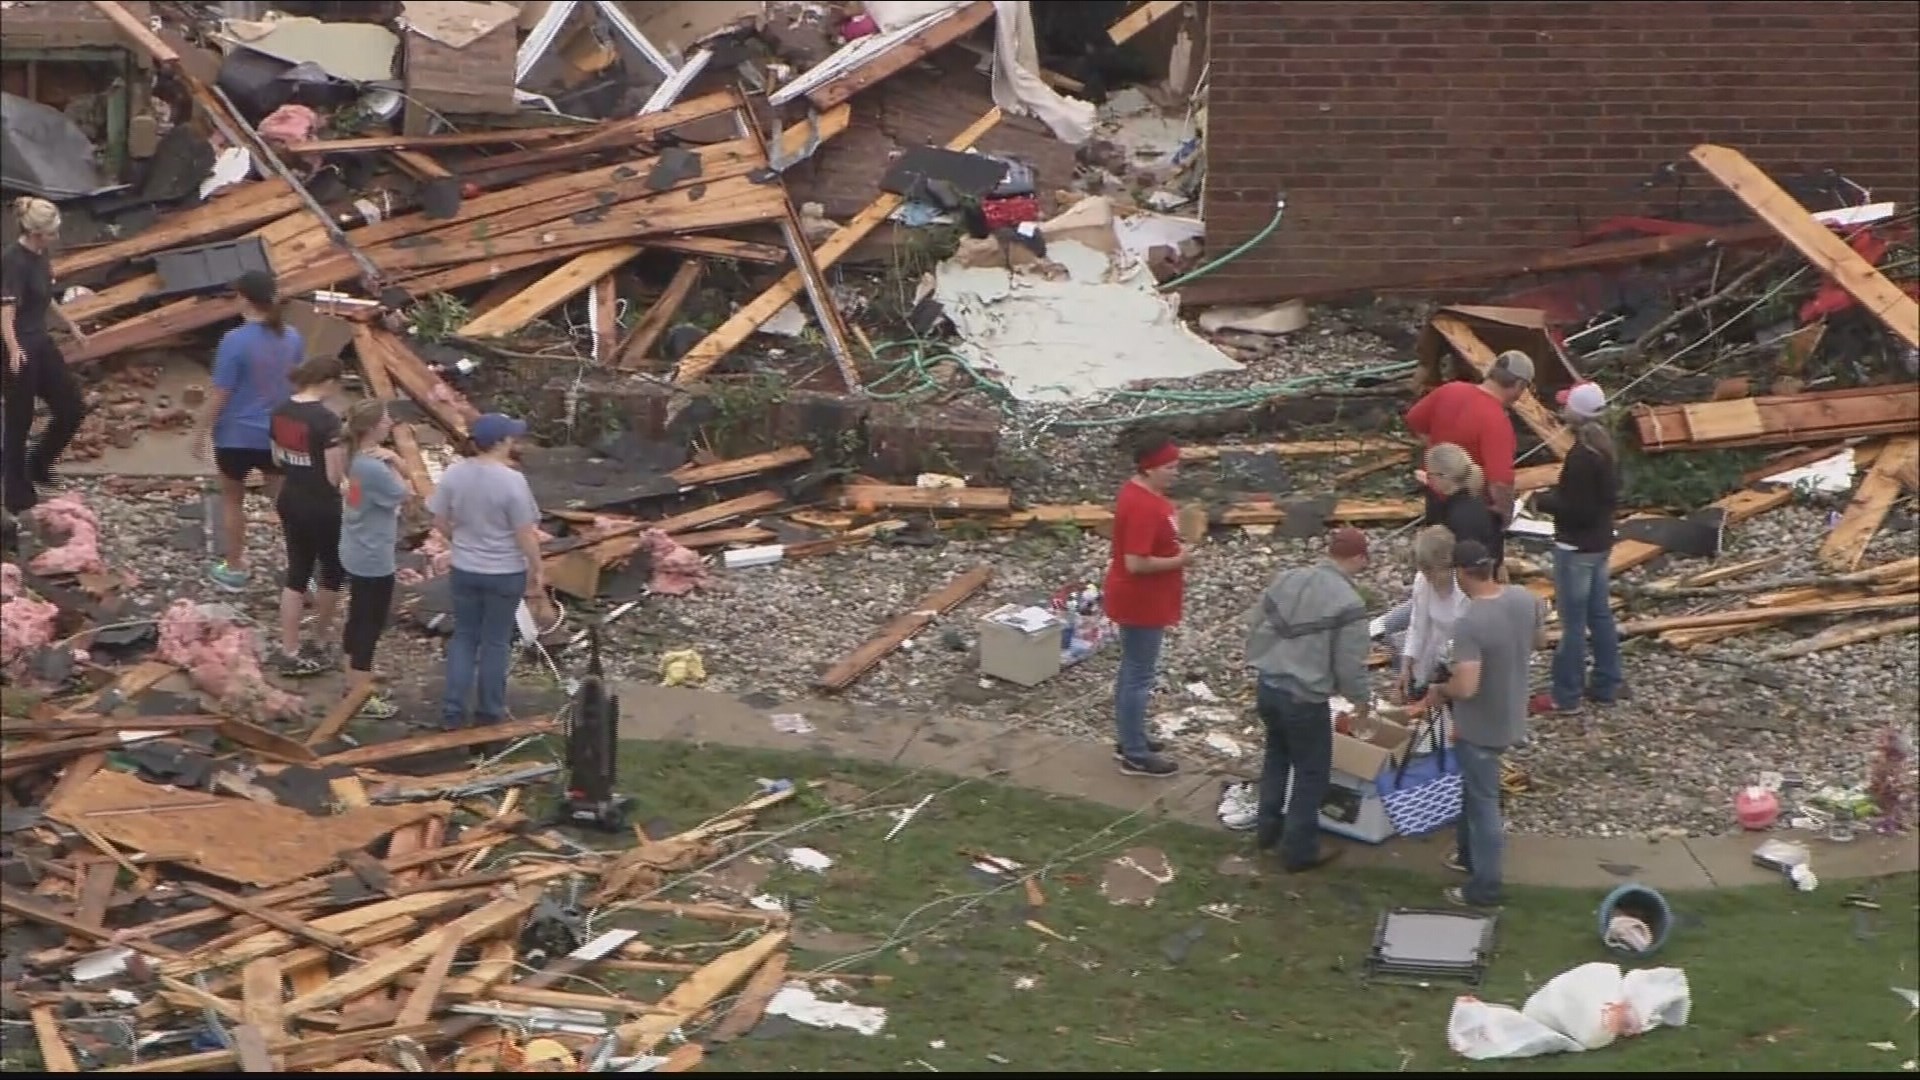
{"x":797,"y":1003}
{"x":994,"y":864}
{"x":1225,"y":745}
{"x":1832,"y":475}
{"x":765,"y":902}
{"x":1203,"y":692}
{"x":806,"y":858}
{"x":791,"y":724}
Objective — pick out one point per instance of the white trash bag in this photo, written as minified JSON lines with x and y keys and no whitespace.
{"x":1582,"y":1009}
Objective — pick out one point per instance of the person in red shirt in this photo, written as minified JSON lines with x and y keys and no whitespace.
{"x":1473,"y":416}
{"x":1146,"y":586}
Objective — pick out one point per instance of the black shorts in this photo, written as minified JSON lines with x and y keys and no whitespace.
{"x":236,"y":462}
{"x":312,"y":530}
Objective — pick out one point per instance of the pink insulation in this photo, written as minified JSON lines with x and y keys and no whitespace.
{"x":79,"y":553}
{"x":677,"y":570}
{"x":26,"y":621}
{"x":223,"y":659}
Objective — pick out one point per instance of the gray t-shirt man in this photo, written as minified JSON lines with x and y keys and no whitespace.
{"x":487,"y":502}
{"x":1499,"y":632}
{"x":370,"y":517}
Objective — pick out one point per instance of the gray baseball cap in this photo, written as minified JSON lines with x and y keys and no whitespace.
{"x":1513,"y":366}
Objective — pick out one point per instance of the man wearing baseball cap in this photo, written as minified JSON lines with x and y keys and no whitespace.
{"x":1306,"y":640}
{"x":485,"y":510}
{"x":1582,"y":505}
{"x":1487,"y":687}
{"x":1473,"y":416}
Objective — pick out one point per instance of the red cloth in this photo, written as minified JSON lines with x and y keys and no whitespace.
{"x":1012,"y":210}
{"x":1144,"y":523}
{"x":1463,"y":414}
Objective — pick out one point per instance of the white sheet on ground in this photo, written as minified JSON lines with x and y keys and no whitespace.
{"x":1583,"y":1009}
{"x":1100,"y":327}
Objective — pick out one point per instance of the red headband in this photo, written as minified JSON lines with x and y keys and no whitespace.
{"x":1167,"y":454}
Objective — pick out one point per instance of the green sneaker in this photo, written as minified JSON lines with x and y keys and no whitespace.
{"x":378,"y":707}
{"x":228,"y":578}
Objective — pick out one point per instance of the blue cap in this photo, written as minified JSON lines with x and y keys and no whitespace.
{"x":494,"y":428}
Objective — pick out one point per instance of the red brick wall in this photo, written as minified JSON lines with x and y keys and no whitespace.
{"x":1409,"y":136}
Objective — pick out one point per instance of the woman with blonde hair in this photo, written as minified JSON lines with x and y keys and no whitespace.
{"x":34,"y":368}
{"x":374,"y":494}
{"x":1461,"y":503}
{"x":1436,"y":605}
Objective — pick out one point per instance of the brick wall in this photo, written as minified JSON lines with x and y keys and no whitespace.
{"x":1409,"y":136}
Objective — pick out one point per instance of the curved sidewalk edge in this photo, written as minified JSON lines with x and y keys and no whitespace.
{"x":1083,"y":769}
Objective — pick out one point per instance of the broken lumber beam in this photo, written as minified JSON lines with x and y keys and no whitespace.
{"x":1841,"y":636}
{"x":698,"y":994}
{"x":1751,"y":616}
{"x":751,"y":1005}
{"x":1309,"y":448}
{"x":660,"y":315}
{"x":896,"y":633}
{"x":449,"y":141}
{"x":556,"y":288}
{"x":1480,"y":357}
{"x":882,"y":64}
{"x":1827,"y":252}
{"x":713,"y":348}
{"x":866,"y":497}
{"x":691,"y":476}
{"x":1137,"y":20}
{"x":55,"y":1054}
{"x":1846,"y":543}
{"x":234,"y":210}
{"x":379,"y":972}
{"x":374,"y":753}
{"x":286,"y":924}
{"x":300,"y":1056}
{"x":1779,"y":420}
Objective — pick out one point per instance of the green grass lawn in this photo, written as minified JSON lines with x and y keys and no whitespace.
{"x":1226,"y":972}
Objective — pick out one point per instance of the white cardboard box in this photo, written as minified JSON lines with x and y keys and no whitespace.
{"x":1025,"y":652}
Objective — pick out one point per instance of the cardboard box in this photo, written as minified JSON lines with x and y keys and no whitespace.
{"x":1352,"y":807}
{"x":1365,"y":758}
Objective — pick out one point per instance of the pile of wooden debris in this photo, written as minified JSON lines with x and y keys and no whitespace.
{"x":238,"y":900}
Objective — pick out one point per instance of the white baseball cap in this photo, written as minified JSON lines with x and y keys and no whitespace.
{"x":1584,"y":399}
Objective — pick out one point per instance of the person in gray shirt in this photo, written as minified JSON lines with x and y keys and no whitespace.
{"x":486,"y":511}
{"x":1306,"y":640}
{"x":1487,"y":688}
{"x":374,"y":493}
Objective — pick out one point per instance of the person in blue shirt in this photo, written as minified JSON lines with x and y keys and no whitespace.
{"x":250,"y":371}
{"x":375,"y":492}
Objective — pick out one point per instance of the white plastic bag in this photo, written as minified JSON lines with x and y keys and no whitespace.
{"x":1484,"y":1032}
{"x":1582,"y":1009}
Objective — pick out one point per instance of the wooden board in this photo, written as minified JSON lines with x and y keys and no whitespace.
{"x":1782,"y":420}
{"x":550,"y":292}
{"x":386,"y":968}
{"x":284,"y":843}
{"x":660,"y":315}
{"x":711,"y":349}
{"x":1846,"y":544}
{"x":843,"y":674}
{"x":1827,"y":252}
{"x":867,"y":497}
{"x":690,"y":476}
{"x":1133,"y":22}
{"x":375,"y":753}
{"x":698,"y":994}
{"x":1740,"y":506}
{"x":901,"y":55}
{"x":1538,"y":418}
{"x":233,"y":211}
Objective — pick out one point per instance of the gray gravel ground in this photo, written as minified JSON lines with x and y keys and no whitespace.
{"x":1667,"y":761}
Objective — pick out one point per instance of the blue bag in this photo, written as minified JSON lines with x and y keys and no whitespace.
{"x":1423,"y":793}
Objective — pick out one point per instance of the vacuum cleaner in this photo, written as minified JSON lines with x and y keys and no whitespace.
{"x":593,"y":721}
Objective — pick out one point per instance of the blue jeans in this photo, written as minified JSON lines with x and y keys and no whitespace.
{"x":1300,"y":751}
{"x":1139,"y":664}
{"x":1479,"y":828}
{"x":1580,"y":591}
{"x":484,"y":606}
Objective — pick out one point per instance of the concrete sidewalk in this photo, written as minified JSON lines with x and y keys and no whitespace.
{"x":1084,"y":769}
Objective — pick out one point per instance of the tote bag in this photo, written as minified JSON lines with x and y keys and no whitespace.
{"x":1423,"y":792}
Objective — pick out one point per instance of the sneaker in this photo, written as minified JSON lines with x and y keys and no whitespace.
{"x":1154,"y":746}
{"x":1457,"y":896}
{"x":325,"y":655}
{"x":378,"y":707}
{"x":231,"y":579}
{"x":1455,"y":863}
{"x":1239,"y":808}
{"x":1149,"y":764}
{"x":298,"y":666}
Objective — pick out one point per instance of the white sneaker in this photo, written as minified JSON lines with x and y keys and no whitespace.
{"x":1239,"y":808}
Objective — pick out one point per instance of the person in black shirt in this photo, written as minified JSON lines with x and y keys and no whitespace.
{"x":1457,"y":499}
{"x":312,"y":459}
{"x":34,"y":368}
{"x":1582,"y":505}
